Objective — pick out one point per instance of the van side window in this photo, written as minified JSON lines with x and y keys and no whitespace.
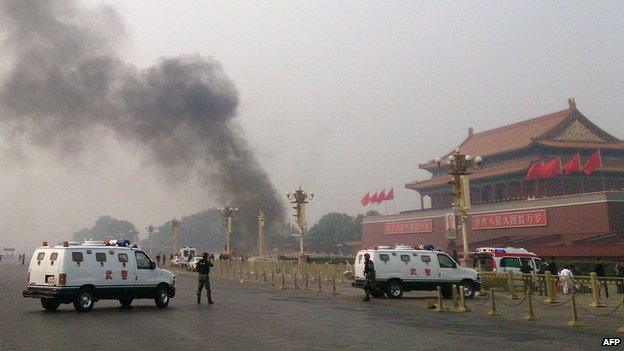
{"x":54,"y":256}
{"x":77,"y":256}
{"x":446,"y":262}
{"x":40,"y":256}
{"x":510,"y":262}
{"x":143,"y":262}
{"x":122,"y":257}
{"x":100,"y":256}
{"x":425,"y":258}
{"x":384,"y":257}
{"x":405,"y":258}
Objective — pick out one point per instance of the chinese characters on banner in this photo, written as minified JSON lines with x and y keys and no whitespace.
{"x":409,"y":227}
{"x":515,"y":219}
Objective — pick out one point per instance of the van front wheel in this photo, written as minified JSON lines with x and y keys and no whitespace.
{"x":50,"y":304}
{"x":394,"y":289}
{"x":469,"y":289}
{"x":162,"y":296}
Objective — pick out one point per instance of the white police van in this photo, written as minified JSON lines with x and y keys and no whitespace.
{"x":84,"y":274}
{"x":405,"y":269}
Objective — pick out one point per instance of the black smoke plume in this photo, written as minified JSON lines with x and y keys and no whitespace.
{"x":66,"y":83}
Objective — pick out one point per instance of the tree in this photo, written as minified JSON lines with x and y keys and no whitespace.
{"x":334,"y":228}
{"x":106,"y":227}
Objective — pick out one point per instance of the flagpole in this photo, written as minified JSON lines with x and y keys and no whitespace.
{"x":562,"y":179}
{"x":602,"y":171}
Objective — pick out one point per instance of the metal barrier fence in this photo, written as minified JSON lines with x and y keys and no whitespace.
{"x":269,"y":271}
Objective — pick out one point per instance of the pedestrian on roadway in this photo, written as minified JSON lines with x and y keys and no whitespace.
{"x":369,"y":274}
{"x":600,"y":272}
{"x":158,"y":259}
{"x":567,"y":280}
{"x":203,"y":268}
{"x":552,"y":266}
{"x":23,"y":258}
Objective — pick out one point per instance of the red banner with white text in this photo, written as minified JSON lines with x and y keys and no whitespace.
{"x":515,"y":219}
{"x":410,"y":227}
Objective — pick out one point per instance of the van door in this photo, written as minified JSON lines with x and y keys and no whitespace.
{"x":427,"y":267}
{"x":447,"y":268}
{"x":125,"y":269}
{"x":145,"y":275}
{"x":510,"y":264}
{"x":44,"y":268}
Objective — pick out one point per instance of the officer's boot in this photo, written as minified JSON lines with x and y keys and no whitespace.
{"x":210,"y":299}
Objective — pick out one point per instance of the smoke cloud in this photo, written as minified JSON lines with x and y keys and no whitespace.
{"x":66,"y":83}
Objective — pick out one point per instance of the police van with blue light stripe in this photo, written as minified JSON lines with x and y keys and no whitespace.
{"x":96,"y":270}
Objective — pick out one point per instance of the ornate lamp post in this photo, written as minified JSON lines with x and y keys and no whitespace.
{"x":459,"y":167}
{"x":228,"y":212}
{"x":300,"y":198}
{"x":150,"y":231}
{"x":261,"y":220}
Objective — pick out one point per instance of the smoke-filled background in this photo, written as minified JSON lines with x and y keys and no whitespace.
{"x":66,"y":90}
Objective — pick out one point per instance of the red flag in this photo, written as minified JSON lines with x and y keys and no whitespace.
{"x":373,"y":199}
{"x":366,"y":199}
{"x":382,"y":197}
{"x":535,"y":171}
{"x":573,"y":165}
{"x":390,"y":194}
{"x":551,"y":168}
{"x":593,"y":163}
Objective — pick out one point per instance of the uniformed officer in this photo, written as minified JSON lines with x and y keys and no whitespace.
{"x":203,"y":268}
{"x":369,"y":274}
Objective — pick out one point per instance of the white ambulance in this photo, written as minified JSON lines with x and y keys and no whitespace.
{"x":505,"y":259}
{"x":84,"y":274}
{"x":405,"y":269}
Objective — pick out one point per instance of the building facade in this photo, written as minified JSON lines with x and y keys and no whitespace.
{"x":573,"y":215}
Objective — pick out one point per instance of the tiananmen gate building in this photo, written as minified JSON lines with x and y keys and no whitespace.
{"x":573,"y":215}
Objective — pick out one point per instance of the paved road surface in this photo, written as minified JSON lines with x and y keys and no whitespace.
{"x":250,"y":317}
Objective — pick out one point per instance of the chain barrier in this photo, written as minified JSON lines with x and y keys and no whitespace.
{"x":600,"y":314}
{"x":555,"y":304}
{"x":479,"y":304}
{"x":511,"y":304}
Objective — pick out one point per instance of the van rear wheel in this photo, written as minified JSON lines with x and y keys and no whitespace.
{"x":394,"y":290}
{"x":85,"y":300}
{"x":50,"y":304}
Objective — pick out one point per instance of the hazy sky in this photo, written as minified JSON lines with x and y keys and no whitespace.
{"x":341,"y":97}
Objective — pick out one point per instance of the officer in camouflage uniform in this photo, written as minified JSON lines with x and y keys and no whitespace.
{"x":369,"y":274}
{"x":203,"y":268}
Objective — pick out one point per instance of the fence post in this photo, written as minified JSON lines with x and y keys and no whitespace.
{"x":273,"y":276}
{"x":283,"y":282}
{"x":334,"y":285}
{"x":462,"y":300}
{"x":595,"y":291}
{"x":621,"y":329}
{"x":511,"y":286}
{"x":551,"y":289}
{"x":319,"y":284}
{"x":306,"y":280}
{"x":296,"y":285}
{"x":493,"y":311}
{"x":440,"y":306}
{"x":575,"y":321}
{"x":264,"y":277}
{"x":455,"y":298}
{"x":530,"y":316}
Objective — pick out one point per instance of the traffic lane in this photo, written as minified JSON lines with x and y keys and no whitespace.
{"x":253,"y":317}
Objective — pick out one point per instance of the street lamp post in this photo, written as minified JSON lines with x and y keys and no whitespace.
{"x":261,"y":220}
{"x":300,"y":198}
{"x":150,"y":231}
{"x":228,"y":212}
{"x":459,"y":167}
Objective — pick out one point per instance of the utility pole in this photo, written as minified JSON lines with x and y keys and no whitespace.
{"x":300,"y":198}
{"x":261,"y":246}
